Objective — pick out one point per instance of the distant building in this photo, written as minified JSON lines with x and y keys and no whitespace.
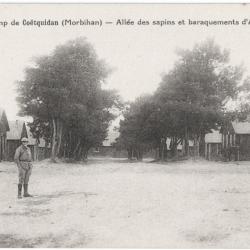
{"x":17,"y":131}
{"x":4,"y":128}
{"x":213,"y":145}
{"x":236,"y":139}
{"x":40,"y":150}
{"x":107,"y":148}
{"x":179,"y":146}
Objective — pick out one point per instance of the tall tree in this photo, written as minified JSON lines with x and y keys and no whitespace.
{"x":65,"y":91}
{"x":134,"y":135}
{"x":197,"y":89}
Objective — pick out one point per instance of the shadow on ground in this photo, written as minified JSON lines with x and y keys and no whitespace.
{"x":13,"y":241}
{"x":211,"y":238}
{"x":33,"y":212}
{"x":46,"y":197}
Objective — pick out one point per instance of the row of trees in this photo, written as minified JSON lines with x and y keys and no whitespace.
{"x":71,"y":111}
{"x":190,"y":101}
{"x":64,"y":95}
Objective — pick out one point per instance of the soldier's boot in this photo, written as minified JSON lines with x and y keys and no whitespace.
{"x":19,"y":196}
{"x":26,"y":194}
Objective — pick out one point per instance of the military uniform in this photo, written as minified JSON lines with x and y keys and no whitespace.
{"x":23,"y":160}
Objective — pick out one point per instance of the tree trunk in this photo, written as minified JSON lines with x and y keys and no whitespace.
{"x":79,"y":153}
{"x":173,"y":148}
{"x":54,"y":142}
{"x":56,"y":138}
{"x":162,"y":152}
{"x":162,"y":149}
{"x":130,"y":153}
{"x":85,"y":152}
{"x":59,"y":136}
{"x":196,"y":147}
{"x":69,"y":146}
{"x":183,"y":147}
{"x":139,"y":154}
{"x":202,"y":145}
{"x":76,"y":149}
{"x":157,"y":154}
{"x":186,"y":142}
{"x":64,"y":150}
{"x":46,"y":149}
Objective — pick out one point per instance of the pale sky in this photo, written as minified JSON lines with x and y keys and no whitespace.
{"x":138,"y":54}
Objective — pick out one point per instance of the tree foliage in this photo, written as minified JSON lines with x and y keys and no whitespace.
{"x":190,"y":100}
{"x":63,"y":92}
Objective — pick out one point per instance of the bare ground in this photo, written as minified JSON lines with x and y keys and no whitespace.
{"x":113,"y":203}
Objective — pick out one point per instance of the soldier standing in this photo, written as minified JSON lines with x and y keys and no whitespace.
{"x":23,"y":160}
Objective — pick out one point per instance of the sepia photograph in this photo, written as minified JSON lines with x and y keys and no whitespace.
{"x":124,"y":125}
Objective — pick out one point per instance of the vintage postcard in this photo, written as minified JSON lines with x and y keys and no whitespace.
{"x":124,"y":125}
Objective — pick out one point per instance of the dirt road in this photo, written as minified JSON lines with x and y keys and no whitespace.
{"x":113,"y":203}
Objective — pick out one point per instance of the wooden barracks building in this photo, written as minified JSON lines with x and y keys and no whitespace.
{"x":4,"y":128}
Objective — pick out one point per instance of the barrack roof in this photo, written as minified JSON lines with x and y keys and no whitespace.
{"x":16,"y":129}
{"x":241,"y":127}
